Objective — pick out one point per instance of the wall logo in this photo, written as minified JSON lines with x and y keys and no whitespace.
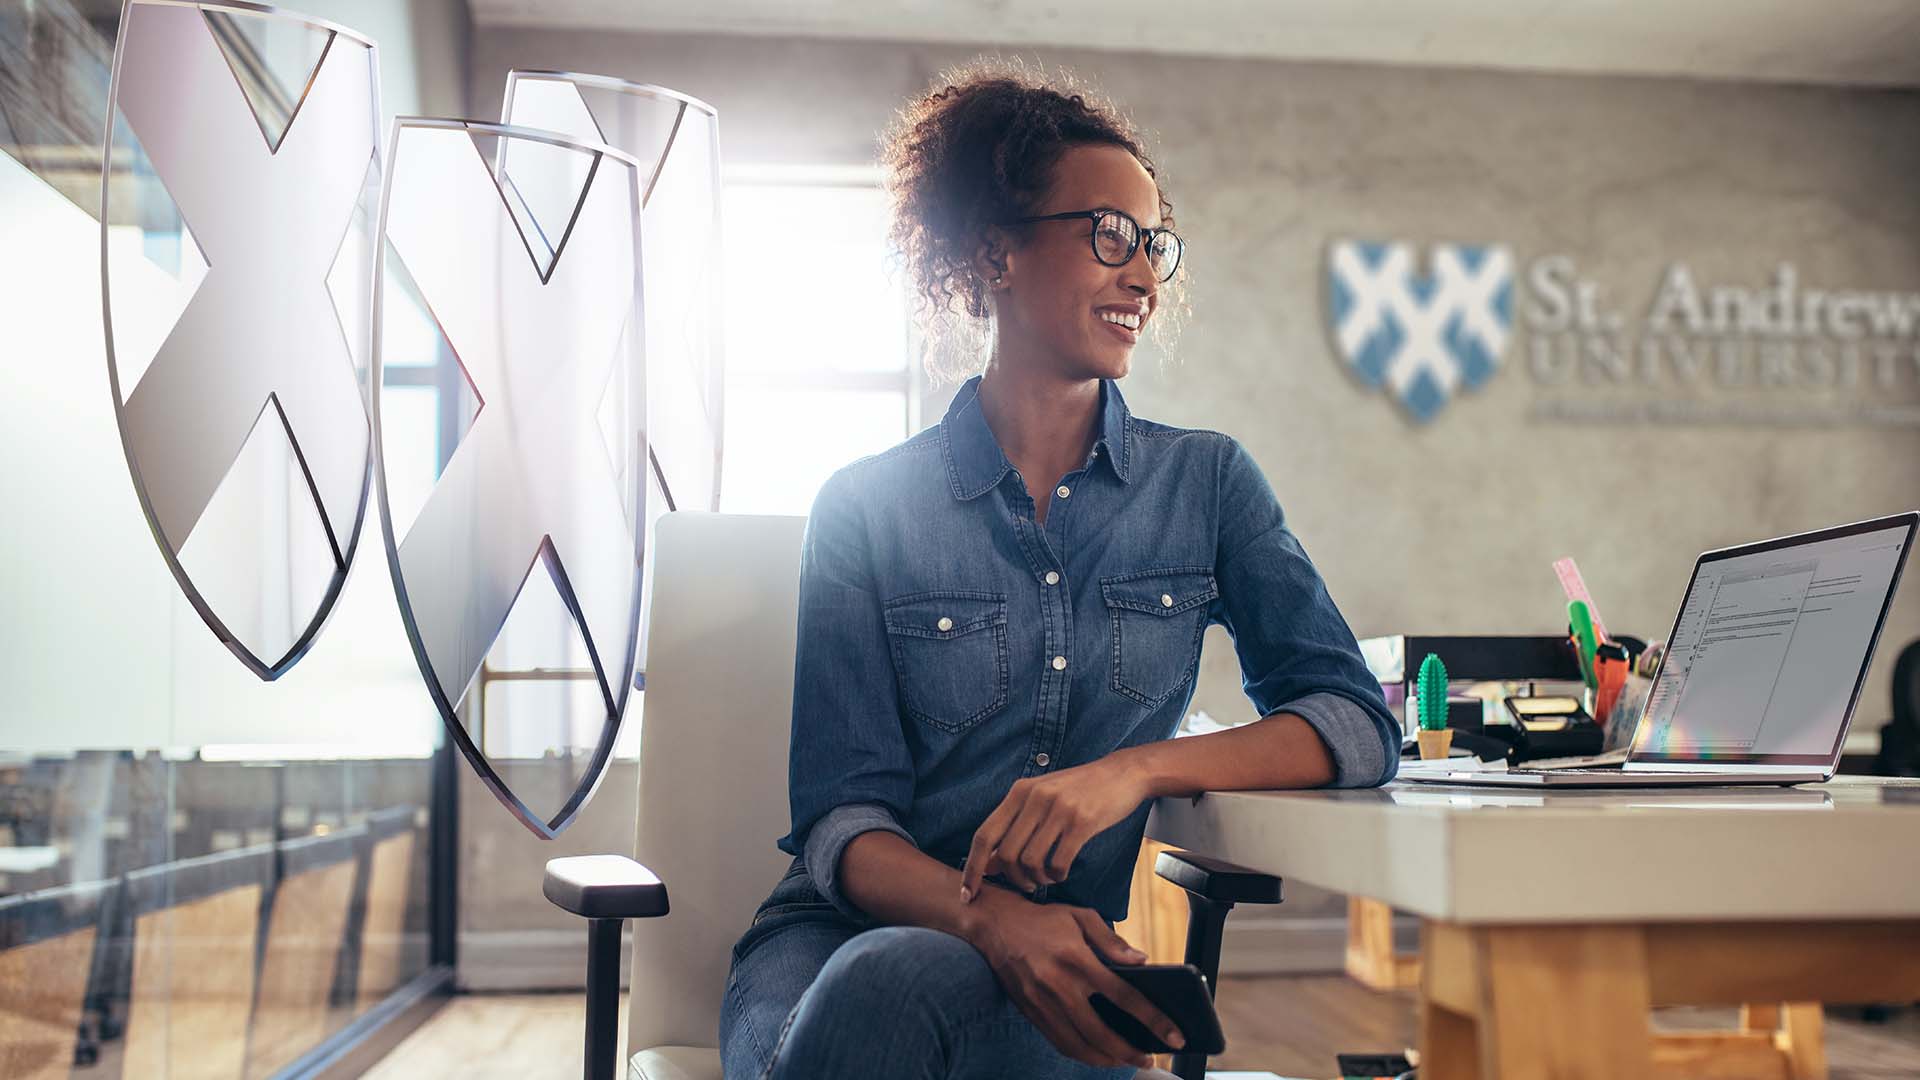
{"x":1423,"y":336}
{"x":1697,"y":351}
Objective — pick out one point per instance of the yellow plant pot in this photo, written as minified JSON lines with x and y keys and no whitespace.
{"x":1434,"y":745}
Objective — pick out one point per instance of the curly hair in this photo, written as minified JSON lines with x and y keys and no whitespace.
{"x":979,"y":148}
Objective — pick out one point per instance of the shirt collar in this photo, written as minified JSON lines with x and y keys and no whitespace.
{"x":975,"y":462}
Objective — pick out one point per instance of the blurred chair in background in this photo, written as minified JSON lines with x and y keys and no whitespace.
{"x":1899,"y":753}
{"x":47,"y":943}
{"x":196,"y":927}
{"x":390,"y":834}
{"x":306,"y":927}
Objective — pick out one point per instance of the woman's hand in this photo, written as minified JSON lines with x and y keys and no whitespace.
{"x":1047,"y":957}
{"x":1036,"y":832}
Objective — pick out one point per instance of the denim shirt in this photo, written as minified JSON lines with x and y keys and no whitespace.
{"x":950,"y":645}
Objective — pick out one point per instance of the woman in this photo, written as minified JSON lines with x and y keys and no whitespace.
{"x":1000,"y":623}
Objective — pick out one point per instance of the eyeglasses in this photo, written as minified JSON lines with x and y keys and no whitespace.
{"x":1116,"y":236}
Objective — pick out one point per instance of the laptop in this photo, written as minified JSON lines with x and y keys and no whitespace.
{"x":1763,"y":668}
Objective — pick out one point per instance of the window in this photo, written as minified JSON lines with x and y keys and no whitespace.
{"x":817,"y":333}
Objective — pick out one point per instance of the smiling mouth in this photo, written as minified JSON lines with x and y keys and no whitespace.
{"x":1126,"y":327}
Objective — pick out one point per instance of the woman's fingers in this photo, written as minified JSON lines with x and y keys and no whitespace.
{"x":1103,"y":941}
{"x":1014,"y":855}
{"x":1041,"y":855}
{"x":1107,"y":1045}
{"x":985,"y":839}
{"x":1122,"y":993}
{"x":1065,"y":850}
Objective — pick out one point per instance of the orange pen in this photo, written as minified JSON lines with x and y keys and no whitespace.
{"x":1611,"y":676}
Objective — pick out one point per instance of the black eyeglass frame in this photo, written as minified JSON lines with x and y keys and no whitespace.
{"x":1141,"y":234}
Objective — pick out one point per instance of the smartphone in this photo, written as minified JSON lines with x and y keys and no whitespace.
{"x":1373,"y":1066}
{"x":1180,"y":991}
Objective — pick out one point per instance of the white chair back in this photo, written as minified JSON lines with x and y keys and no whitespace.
{"x":717,"y":712}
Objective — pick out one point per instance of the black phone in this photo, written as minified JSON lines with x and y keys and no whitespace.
{"x":1373,"y":1066}
{"x":1180,"y":991}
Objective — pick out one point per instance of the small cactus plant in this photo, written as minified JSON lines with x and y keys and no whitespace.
{"x":1431,"y":692}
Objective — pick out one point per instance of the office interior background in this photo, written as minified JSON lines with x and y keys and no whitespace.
{"x":1657,"y":175}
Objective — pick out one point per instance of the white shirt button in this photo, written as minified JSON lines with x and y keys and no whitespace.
{"x":945,"y":623}
{"x":1063,"y":491}
{"x":1165,"y":601}
{"x":1053,"y":577}
{"x":1041,"y":759}
{"x":1059,"y":663}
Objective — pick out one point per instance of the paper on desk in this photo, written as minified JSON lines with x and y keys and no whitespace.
{"x":1586,"y":761}
{"x":1469,"y":763}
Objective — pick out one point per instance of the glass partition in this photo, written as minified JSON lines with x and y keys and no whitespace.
{"x":201,"y":873}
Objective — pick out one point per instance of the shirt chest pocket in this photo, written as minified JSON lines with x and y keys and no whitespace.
{"x":1158,"y":617}
{"x":950,"y":656}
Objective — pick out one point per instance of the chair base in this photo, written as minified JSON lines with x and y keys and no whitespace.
{"x":675,"y":1063}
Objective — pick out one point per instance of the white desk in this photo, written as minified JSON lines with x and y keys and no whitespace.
{"x":1553,"y":921}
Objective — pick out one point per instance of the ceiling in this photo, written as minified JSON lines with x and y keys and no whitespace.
{"x":1842,"y":42}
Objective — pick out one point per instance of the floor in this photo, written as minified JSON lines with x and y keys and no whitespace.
{"x":1291,"y":1025}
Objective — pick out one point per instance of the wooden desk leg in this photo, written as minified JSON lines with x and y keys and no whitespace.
{"x":1449,"y":1048}
{"x":1803,"y":1039}
{"x":1567,"y":1002}
{"x":1798,"y":1033}
{"x":1371,"y":961}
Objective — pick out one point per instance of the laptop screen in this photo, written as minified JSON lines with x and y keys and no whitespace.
{"x":1766,"y":659}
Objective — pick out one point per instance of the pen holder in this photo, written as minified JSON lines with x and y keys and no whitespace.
{"x":1434,"y":745}
{"x":1627,"y":706}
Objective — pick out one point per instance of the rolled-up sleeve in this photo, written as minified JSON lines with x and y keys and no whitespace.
{"x":1296,"y":652}
{"x":848,"y":770}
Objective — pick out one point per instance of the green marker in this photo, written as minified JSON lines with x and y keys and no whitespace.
{"x":1582,"y":621}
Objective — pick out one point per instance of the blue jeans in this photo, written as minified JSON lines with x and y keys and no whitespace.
{"x":812,"y":996}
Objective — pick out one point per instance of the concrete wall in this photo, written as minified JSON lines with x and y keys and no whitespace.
{"x":1449,"y":526}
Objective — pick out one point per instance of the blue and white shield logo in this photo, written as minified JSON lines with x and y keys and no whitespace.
{"x":1424,"y":336}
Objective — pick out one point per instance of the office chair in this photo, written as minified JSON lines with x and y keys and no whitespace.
{"x":713,"y":792}
{"x":1213,"y":888}
{"x":713,"y":795}
{"x":1899,"y":753}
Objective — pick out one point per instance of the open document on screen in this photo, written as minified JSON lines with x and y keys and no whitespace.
{"x":1768,"y":649}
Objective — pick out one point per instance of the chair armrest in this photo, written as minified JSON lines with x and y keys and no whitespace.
{"x":1217,"y":879}
{"x":605,"y":887}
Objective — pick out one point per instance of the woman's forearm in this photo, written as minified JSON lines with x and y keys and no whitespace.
{"x":896,"y":883}
{"x":1278,"y":751}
